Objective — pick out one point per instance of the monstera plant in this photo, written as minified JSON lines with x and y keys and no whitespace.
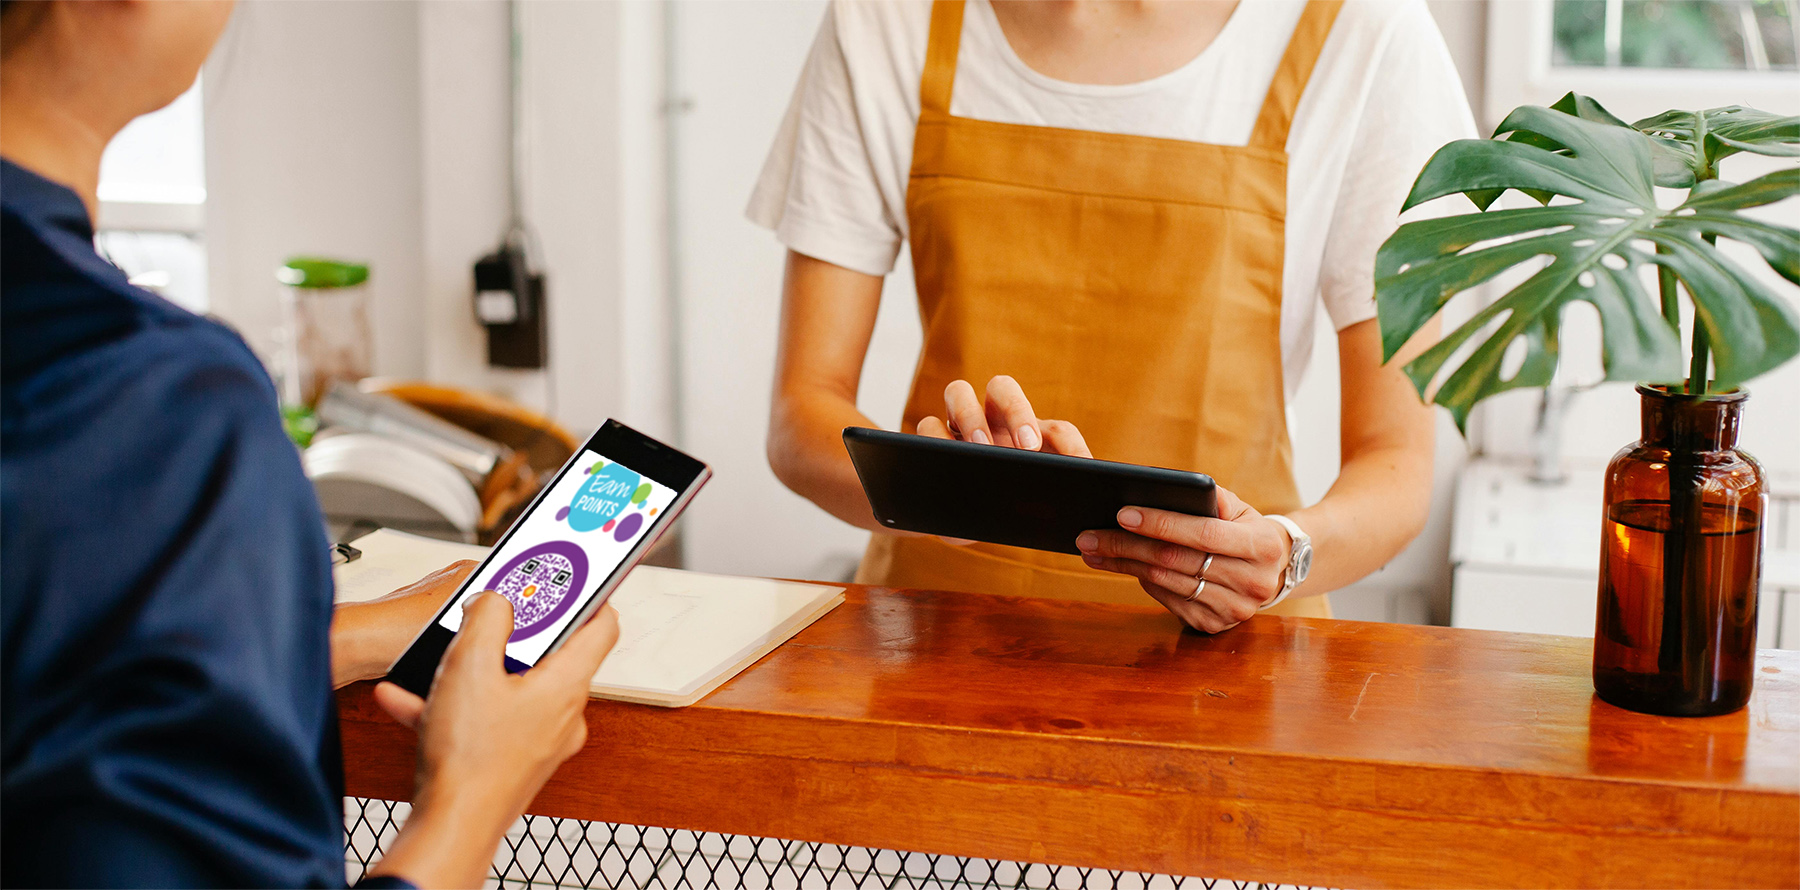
{"x":1681,"y":555}
{"x":1597,"y":242}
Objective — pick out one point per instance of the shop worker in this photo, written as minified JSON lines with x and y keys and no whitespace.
{"x":166,"y":712}
{"x":1122,"y":214}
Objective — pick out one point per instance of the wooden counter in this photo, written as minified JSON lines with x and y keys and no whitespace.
{"x":1330,"y":753}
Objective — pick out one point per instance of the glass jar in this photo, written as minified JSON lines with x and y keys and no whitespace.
{"x":1680,"y":561}
{"x":325,"y":320}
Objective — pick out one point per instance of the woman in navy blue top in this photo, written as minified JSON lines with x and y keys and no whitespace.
{"x":167,"y":716}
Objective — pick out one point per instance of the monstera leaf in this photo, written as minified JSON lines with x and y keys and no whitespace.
{"x":1703,"y":138}
{"x":1674,"y":164}
{"x":1597,"y":242}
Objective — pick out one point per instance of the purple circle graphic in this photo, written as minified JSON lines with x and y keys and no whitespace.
{"x":562,"y":514}
{"x":542,"y":583}
{"x":629,"y":526}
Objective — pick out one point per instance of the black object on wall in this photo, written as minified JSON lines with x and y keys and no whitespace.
{"x":509,"y":303}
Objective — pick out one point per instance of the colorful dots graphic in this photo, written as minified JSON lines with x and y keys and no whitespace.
{"x":643,"y":491}
{"x":629,"y":526}
{"x":562,"y":514}
{"x":602,"y":496}
{"x":609,"y":525}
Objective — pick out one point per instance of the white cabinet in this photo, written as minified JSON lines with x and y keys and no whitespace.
{"x":1522,"y":601}
{"x":1526,"y":555}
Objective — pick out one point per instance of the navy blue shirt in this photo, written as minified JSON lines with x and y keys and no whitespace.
{"x":167,"y":713}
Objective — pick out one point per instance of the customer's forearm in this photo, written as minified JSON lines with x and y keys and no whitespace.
{"x":1377,"y":507}
{"x":806,"y":451}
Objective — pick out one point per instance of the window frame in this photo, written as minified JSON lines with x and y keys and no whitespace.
{"x":152,"y":216}
{"x":1520,"y":38}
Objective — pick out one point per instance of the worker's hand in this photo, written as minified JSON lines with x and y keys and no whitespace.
{"x":368,"y":637}
{"x":488,"y":740}
{"x":1005,"y":418}
{"x":1165,"y":552}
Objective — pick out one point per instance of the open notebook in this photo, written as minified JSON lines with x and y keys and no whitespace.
{"x":681,"y":634}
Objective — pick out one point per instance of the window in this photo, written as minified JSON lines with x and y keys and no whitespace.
{"x":1642,"y":57}
{"x":153,"y":200}
{"x":1741,"y":35}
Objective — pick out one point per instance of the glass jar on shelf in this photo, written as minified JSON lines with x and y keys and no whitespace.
{"x":325,"y":334}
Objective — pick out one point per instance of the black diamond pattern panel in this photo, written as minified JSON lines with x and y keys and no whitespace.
{"x":543,"y":852}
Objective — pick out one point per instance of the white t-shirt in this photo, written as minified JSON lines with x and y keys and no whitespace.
{"x":1383,"y":96}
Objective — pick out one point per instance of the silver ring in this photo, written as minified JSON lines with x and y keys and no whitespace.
{"x":1202,"y":578}
{"x":1197,"y":591}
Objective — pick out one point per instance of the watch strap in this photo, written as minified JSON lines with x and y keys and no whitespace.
{"x":1287,"y":574}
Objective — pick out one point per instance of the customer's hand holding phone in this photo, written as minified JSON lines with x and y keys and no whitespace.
{"x":488,"y":740}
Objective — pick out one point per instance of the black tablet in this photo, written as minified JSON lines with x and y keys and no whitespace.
{"x":1008,"y":496}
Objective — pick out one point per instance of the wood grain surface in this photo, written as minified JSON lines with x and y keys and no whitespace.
{"x":1329,"y":753}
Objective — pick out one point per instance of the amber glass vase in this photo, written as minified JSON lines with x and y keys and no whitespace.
{"x":1681,"y":561}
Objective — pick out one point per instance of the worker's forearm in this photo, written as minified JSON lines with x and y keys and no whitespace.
{"x":1377,"y":507}
{"x":806,"y":451}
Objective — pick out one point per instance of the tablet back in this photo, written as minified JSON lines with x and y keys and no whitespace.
{"x":1008,"y":496}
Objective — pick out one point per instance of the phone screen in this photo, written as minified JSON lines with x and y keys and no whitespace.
{"x":560,"y":555}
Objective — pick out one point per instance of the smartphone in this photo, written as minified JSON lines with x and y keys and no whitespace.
{"x":569,"y":550}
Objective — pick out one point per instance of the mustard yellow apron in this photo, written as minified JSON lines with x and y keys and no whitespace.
{"x":1131,"y":284}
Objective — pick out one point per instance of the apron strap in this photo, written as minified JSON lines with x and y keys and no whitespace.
{"x":1290,"y":79}
{"x":940,"y":57}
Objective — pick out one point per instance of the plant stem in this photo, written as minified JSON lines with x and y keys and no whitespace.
{"x":1671,"y":304}
{"x":1682,"y":646}
{"x":1697,"y":383}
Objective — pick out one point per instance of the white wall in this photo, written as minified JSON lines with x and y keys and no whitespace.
{"x":1464,"y":26}
{"x":465,"y":152}
{"x":313,"y":146}
{"x":378,"y":131}
{"x":592,"y":195}
{"x":736,"y":63}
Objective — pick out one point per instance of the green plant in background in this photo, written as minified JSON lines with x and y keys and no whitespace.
{"x":1598,"y":226}
{"x":301,"y":424}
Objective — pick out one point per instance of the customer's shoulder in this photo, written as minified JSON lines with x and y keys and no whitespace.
{"x":85,"y":350}
{"x":70,"y":325}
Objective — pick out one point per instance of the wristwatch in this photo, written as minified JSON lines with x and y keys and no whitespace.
{"x":1299,"y":560}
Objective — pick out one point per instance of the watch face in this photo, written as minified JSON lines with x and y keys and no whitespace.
{"x":1301,"y":564}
